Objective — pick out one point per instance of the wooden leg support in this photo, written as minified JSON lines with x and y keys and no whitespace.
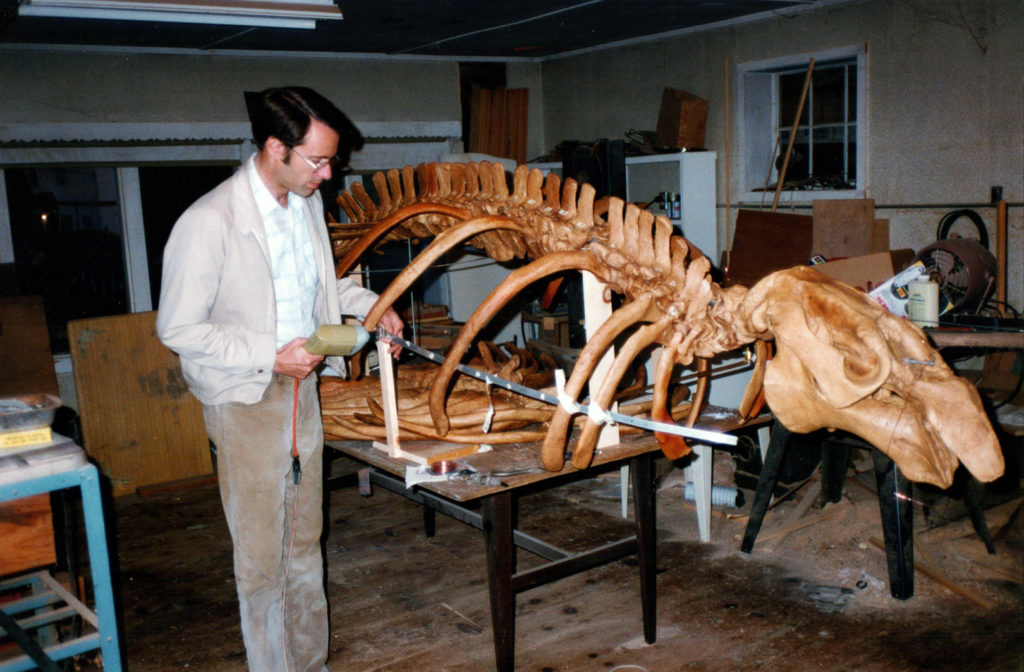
{"x":973,"y":498}
{"x":766,"y":484}
{"x":894,"y":503}
{"x":498,"y":521}
{"x":835,"y":456}
{"x":646,"y":536}
{"x":501,"y":550}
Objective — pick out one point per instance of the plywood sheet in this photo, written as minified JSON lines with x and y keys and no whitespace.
{"x":846,"y":228}
{"x":765,"y":242}
{"x":139,"y":421}
{"x":25,"y":358}
{"x":26,"y":526}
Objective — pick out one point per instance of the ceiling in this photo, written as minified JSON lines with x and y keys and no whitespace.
{"x":463,"y":29}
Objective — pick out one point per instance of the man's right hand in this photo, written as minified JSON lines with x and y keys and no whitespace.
{"x":293,"y":360}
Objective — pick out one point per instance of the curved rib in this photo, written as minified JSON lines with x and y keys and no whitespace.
{"x":499,"y":296}
{"x":672,"y":445}
{"x":700,"y":393}
{"x":383,"y":226}
{"x":583,"y":451}
{"x":553,"y":450}
{"x":442,"y":243}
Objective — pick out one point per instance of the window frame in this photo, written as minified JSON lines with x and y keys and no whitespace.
{"x":125,"y":161}
{"x":757,"y":124}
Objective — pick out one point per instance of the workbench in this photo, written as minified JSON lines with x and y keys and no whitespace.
{"x":496,"y":517}
{"x":58,"y":465}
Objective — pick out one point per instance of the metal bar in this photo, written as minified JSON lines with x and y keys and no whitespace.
{"x":56,"y":652}
{"x":33,"y":601}
{"x":73,"y":601}
{"x":99,"y":564}
{"x":620,"y":418}
{"x":44,"y":618}
{"x":27,"y":644}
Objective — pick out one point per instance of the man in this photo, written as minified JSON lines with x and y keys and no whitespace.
{"x":248,"y":275}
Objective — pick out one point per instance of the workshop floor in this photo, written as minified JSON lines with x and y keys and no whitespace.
{"x":401,"y":601}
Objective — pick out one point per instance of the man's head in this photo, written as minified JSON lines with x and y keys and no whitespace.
{"x":302,"y":134}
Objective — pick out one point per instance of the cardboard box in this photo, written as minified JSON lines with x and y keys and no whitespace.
{"x":869,"y":271}
{"x":682,"y":120}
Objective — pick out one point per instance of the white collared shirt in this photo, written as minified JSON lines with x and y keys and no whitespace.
{"x":292,"y":263}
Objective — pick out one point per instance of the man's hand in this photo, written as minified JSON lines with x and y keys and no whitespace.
{"x":293,"y":360}
{"x":392,"y":323}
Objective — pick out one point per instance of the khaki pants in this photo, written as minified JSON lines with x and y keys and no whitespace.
{"x":279,"y":579}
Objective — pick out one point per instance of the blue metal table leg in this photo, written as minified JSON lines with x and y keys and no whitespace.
{"x":99,"y":562}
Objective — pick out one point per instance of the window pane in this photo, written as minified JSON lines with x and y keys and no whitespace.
{"x":829,"y":164}
{"x":166,"y":191}
{"x":66,"y":226}
{"x":851,"y":92}
{"x":790,"y":88}
{"x":799,"y":167}
{"x":828,"y":88}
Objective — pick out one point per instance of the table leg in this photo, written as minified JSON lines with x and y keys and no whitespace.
{"x":772,"y":463}
{"x":498,"y":530}
{"x":897,"y":525}
{"x":429,"y":521}
{"x":99,"y":564}
{"x":974,"y":495}
{"x":646,"y":528}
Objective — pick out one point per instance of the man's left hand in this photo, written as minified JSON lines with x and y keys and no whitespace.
{"x":392,"y":323}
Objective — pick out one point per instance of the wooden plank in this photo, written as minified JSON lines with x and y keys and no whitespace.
{"x":388,"y":398}
{"x":880,"y":235}
{"x":479,"y":118}
{"x":766,"y":242}
{"x":26,"y":526}
{"x":496,"y":125}
{"x":845,"y":228}
{"x":139,"y":421}
{"x":25,"y":357}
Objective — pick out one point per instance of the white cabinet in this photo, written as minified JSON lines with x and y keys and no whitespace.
{"x":692,"y":176}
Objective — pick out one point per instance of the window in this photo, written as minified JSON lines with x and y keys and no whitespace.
{"x":827,"y":158}
{"x":89,"y":238}
{"x":66,"y":232}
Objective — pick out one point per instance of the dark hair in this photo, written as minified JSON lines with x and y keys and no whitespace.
{"x":285,"y":113}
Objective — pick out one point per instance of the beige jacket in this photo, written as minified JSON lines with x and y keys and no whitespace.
{"x":217,"y":307}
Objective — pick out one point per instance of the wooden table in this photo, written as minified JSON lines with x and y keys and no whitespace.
{"x":496,"y":517}
{"x":496,"y":520}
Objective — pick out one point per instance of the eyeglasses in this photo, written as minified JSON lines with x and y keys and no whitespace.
{"x":332,"y":161}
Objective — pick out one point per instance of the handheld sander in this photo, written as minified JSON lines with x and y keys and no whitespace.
{"x":337,"y":339}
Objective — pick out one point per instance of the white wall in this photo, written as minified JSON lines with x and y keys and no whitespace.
{"x":945,"y":101}
{"x":90,"y":85}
